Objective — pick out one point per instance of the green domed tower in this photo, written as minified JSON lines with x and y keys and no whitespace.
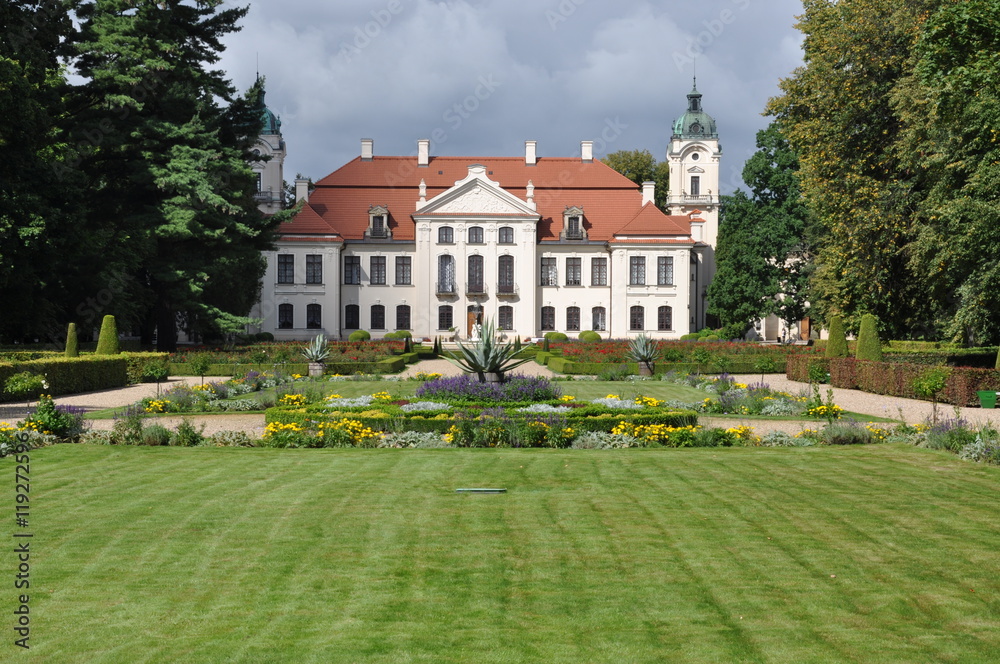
{"x":695,"y":123}
{"x":270,"y":165}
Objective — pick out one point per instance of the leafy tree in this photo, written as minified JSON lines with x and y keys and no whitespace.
{"x":171,"y":165}
{"x":641,"y":166}
{"x":836,"y":346}
{"x":762,"y":253}
{"x":836,"y":112}
{"x":869,"y":345}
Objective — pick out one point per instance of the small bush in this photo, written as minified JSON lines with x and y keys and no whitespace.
{"x":556,"y":337}
{"x":231,"y":439}
{"x":359,"y":335}
{"x":589,"y":336}
{"x":187,"y":435}
{"x":156,"y":435}
{"x":107,"y":342}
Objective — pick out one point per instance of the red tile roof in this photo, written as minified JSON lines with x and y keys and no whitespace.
{"x":610,"y":201}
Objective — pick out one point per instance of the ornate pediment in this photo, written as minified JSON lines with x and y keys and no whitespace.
{"x":696,"y":169}
{"x":476,"y":195}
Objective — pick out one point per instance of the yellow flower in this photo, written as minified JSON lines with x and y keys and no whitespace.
{"x":293,"y":400}
{"x":567,"y":398}
{"x":612,"y":396}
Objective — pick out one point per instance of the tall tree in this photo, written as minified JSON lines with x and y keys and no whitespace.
{"x":641,"y":166}
{"x":836,"y":113}
{"x":170,"y":160}
{"x":763,"y":249}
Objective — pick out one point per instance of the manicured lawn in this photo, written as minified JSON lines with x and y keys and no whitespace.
{"x":878,"y":554}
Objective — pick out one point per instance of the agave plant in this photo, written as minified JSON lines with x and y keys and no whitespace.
{"x":645,"y":351}
{"x":486,"y":356}
{"x":317,"y":350}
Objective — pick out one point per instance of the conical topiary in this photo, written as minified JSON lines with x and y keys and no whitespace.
{"x":72,"y":344}
{"x":869,"y":346}
{"x":107,"y":343}
{"x":545,"y":345}
{"x":836,"y":345}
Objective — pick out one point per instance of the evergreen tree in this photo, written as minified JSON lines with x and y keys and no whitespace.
{"x":171,"y":166}
{"x":763,"y":248}
{"x":72,"y":343}
{"x":107,"y":342}
{"x":869,"y":345}
{"x":836,"y":345}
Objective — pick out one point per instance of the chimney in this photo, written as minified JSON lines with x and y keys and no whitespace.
{"x":367,"y":149}
{"x":423,"y":151}
{"x":301,"y":190}
{"x":648,"y":191}
{"x":530,"y":159}
{"x":587,"y":150}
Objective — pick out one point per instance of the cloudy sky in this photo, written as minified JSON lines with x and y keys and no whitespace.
{"x":480,"y":77}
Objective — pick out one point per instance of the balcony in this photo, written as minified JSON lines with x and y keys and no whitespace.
{"x":445,"y":288}
{"x":571,"y":234}
{"x":507,"y":290}
{"x":379,"y":233}
{"x":475,"y":288}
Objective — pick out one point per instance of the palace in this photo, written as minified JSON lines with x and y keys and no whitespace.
{"x":435,"y":244}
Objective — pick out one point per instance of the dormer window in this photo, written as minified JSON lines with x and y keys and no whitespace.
{"x":573,"y":224}
{"x":378,"y":222}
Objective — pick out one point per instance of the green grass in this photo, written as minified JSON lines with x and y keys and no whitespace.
{"x":877,"y":554}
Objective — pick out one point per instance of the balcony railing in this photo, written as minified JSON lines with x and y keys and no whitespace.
{"x":573,"y":234}
{"x":475,"y":288}
{"x":446,"y":288}
{"x":507,"y":290}
{"x":381,"y":233}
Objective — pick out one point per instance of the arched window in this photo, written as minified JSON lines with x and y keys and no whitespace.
{"x":600,"y":319}
{"x":665,"y":318}
{"x":548,"y":318}
{"x":573,"y":318}
{"x":476,"y":235}
{"x":285,"y":312}
{"x":446,"y":274}
{"x":352,"y":317}
{"x":446,"y":235}
{"x":505,"y":235}
{"x":636,"y":318}
{"x":403,"y":317}
{"x":314,"y":316}
{"x":475,"y":275}
{"x":378,"y":317}
{"x":505,"y":317}
{"x":445,"y":319}
{"x":505,"y":274}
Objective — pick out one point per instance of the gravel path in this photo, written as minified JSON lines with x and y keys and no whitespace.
{"x":911,"y":410}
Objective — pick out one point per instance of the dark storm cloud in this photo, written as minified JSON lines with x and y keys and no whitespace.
{"x":480,"y":77}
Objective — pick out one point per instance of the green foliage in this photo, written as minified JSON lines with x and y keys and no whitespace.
{"x":72,"y":342}
{"x":589,"y":336}
{"x":187,"y":435}
{"x":71,"y":375}
{"x":200,"y":365}
{"x":25,"y":385}
{"x":317,"y":350}
{"x":641,"y":166}
{"x":156,"y":435}
{"x":869,"y":346}
{"x":836,"y":346}
{"x":107,"y":342}
{"x":359,"y":335}
{"x":146,"y":366}
{"x":644,"y":350}
{"x":557,"y":337}
{"x":545,"y":345}
{"x":486,"y":356}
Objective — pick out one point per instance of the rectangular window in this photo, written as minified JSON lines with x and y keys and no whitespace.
{"x":314,"y":269}
{"x":505,"y":235}
{"x":548,"y":318}
{"x":600,"y":319}
{"x":352,"y":317}
{"x":444,"y":317}
{"x":505,"y":319}
{"x":403,"y":317}
{"x":286,"y":269}
{"x":378,"y":317}
{"x":285,"y":312}
{"x":665,"y":318}
{"x":637,"y":318}
{"x":403,"y":271}
{"x":637,"y":271}
{"x":378,"y":226}
{"x":573,"y":271}
{"x":314,"y":316}
{"x":598,"y":271}
{"x":377,"y":270}
{"x":573,"y":318}
{"x":352,"y":269}
{"x":550,"y":274}
{"x":665,"y":271}
{"x":505,"y":274}
{"x":695,"y":185}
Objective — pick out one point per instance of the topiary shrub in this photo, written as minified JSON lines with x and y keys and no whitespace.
{"x":391,"y":336}
{"x":710,"y":337}
{"x":590,"y":336}
{"x":72,"y":343}
{"x":869,"y":346}
{"x":359,"y":335}
{"x":556,"y":336}
{"x":107,"y":343}
{"x":837,"y":344}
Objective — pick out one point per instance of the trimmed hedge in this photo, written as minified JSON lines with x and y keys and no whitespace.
{"x":566,"y":366}
{"x":71,"y":375}
{"x":419,"y":422}
{"x":896,"y":379}
{"x":389,"y":365}
{"x":137,"y":363}
{"x":797,"y":367}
